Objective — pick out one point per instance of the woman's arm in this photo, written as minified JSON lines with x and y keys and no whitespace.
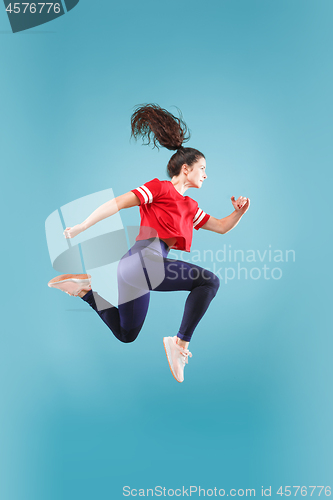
{"x":109,"y":208}
{"x":224,"y":225}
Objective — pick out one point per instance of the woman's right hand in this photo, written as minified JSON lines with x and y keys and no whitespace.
{"x":71,"y":232}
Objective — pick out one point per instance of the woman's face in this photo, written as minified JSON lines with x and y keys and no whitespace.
{"x":197,"y":173}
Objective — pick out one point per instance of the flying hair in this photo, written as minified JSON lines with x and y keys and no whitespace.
{"x":158,"y":126}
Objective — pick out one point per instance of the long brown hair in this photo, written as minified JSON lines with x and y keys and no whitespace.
{"x":160,"y":127}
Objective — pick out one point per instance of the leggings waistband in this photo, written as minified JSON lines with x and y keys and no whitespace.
{"x":154,"y":244}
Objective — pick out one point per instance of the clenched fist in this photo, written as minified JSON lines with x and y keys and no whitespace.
{"x":241,"y":205}
{"x":71,"y":232}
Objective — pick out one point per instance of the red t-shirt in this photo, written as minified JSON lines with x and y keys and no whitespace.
{"x":166,"y":213}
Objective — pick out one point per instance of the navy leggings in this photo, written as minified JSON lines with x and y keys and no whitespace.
{"x":143,"y":268}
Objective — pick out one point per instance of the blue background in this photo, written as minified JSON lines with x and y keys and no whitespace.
{"x":84,"y":415}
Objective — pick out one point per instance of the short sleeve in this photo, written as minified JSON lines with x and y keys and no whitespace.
{"x":148,"y":192}
{"x":200,"y":219}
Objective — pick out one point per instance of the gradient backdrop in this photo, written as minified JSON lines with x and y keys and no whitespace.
{"x":83,"y":415}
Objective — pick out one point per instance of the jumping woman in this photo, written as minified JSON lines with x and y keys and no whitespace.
{"x":167,"y":221}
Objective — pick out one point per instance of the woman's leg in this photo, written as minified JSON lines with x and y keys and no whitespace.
{"x":126,"y":321}
{"x":203,"y":286}
{"x":138,"y":272}
{"x":112,"y":316}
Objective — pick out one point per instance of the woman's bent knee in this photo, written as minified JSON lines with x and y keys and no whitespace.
{"x":128,"y":336}
{"x":212,"y":281}
{"x":216,"y":283}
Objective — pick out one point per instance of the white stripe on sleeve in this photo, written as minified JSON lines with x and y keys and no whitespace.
{"x":150,"y":196}
{"x":197,"y":214}
{"x":141,"y":191}
{"x":199,"y":219}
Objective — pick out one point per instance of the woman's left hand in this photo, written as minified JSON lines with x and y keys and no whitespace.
{"x":241,"y":205}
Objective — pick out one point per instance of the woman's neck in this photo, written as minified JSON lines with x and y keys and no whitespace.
{"x":180,"y":183}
